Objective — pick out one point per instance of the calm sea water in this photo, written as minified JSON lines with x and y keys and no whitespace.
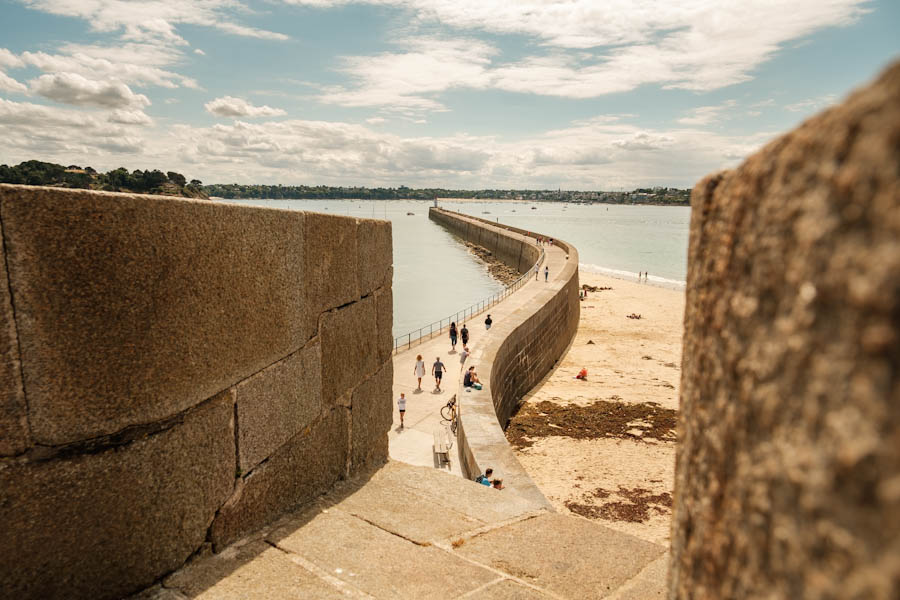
{"x":435,"y":276}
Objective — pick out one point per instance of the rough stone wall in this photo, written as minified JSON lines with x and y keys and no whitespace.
{"x":174,"y":374}
{"x":788,"y":466}
{"x":509,"y":250}
{"x":516,"y":354}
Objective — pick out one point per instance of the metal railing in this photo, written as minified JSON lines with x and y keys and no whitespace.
{"x":416,"y":336}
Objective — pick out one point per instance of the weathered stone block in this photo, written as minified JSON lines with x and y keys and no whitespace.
{"x":380,"y":562}
{"x":107,"y":524}
{"x":349,"y":347}
{"x":303,"y":468}
{"x":372,"y":415}
{"x":374,"y":254}
{"x":13,"y":414}
{"x":277,"y":403}
{"x":132,"y":308}
{"x":564,"y":554}
{"x":253,"y":570}
{"x":384,"y":313}
{"x":788,"y":462}
{"x":331,"y":270}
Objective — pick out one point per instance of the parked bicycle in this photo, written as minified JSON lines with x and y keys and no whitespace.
{"x":448,"y":414}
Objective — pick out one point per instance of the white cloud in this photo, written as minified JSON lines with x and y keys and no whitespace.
{"x":8,"y":60}
{"x":375,"y":120}
{"x":129,"y":64}
{"x":704,"y":115}
{"x":71,"y":88}
{"x":199,"y":52}
{"x":228,"y":106}
{"x":811,"y":105}
{"x":8,"y":84}
{"x":130,"y":117}
{"x":642,"y":140}
{"x":601,"y":47}
{"x":153,"y":20}
{"x":34,"y":130}
{"x":400,"y":80}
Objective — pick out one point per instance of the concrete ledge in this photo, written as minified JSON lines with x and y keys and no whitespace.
{"x":517,"y":352}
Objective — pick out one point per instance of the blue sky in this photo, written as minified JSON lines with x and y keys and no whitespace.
{"x":578,"y":94}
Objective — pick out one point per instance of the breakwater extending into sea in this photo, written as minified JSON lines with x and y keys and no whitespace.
{"x":614,"y":240}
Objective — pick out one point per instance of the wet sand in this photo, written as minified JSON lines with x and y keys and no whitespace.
{"x":612,"y":459}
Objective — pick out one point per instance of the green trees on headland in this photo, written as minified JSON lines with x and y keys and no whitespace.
{"x":665,"y":196}
{"x":35,"y":172}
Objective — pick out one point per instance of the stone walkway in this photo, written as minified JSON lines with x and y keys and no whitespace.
{"x":417,"y":532}
{"x":414,"y":444}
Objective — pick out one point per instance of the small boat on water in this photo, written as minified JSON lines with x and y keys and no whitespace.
{"x":486,"y":212}
{"x":410,"y":213}
{"x":534,"y":208}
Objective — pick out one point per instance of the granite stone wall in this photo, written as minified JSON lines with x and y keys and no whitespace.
{"x":788,"y":463}
{"x":173,"y":375}
{"x":516,"y":353}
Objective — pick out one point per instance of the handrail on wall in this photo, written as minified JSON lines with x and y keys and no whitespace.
{"x":430,"y":331}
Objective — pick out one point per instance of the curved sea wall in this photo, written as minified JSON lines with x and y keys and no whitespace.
{"x":788,"y":461}
{"x":173,"y":375}
{"x":517,"y":352}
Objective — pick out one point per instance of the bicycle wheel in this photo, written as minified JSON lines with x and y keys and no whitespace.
{"x":453,"y":425}
{"x":447,"y":412}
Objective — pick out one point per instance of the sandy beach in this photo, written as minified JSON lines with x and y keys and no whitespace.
{"x":604,"y":447}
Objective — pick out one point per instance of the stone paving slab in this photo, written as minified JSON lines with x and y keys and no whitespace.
{"x":375,"y":561}
{"x":470,"y":498}
{"x":649,"y":584}
{"x":507,"y":589}
{"x":571,"y":556}
{"x":252,"y":570}
{"x":388,"y":504}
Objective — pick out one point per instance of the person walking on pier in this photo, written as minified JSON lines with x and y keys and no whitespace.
{"x":546,"y":274}
{"x":453,"y":336}
{"x":537,"y":269}
{"x":464,"y":334}
{"x":437,"y":369}
{"x":488,"y":322}
{"x":419,"y":370}
{"x":401,"y":406}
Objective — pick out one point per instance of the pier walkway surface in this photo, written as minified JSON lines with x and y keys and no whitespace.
{"x":413,"y":444}
{"x":410,"y":530}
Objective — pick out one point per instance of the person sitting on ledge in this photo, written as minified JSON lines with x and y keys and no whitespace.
{"x":471,"y":378}
{"x":497,"y":484}
{"x":485,"y":478}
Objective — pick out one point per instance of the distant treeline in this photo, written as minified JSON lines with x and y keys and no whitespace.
{"x":668,"y":196}
{"x":35,"y":172}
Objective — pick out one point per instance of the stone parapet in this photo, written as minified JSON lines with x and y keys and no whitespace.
{"x":517,"y":352}
{"x":788,"y":461}
{"x":175,"y":373}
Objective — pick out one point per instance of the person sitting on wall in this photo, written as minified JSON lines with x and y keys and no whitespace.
{"x":471,"y":378}
{"x":485,"y":478}
{"x":497,"y":484}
